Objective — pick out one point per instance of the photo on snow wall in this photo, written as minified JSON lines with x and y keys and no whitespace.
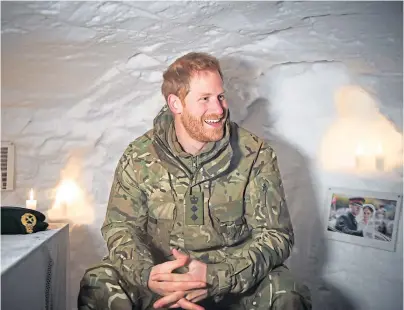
{"x":363,"y":217}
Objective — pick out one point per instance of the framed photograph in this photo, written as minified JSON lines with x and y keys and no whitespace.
{"x":363,"y":217}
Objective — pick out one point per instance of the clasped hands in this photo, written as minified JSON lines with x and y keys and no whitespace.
{"x":179,"y":290}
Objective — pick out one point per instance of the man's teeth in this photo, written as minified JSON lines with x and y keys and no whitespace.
{"x":213,"y":121}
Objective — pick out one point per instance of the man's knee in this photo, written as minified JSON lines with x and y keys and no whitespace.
{"x":290,"y":300}
{"x":101,"y":288}
{"x":279,"y":291}
{"x":286,"y":292}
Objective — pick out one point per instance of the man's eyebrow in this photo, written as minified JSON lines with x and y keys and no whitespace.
{"x":210,"y":94}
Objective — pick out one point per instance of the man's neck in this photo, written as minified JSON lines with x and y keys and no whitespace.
{"x":188,"y":144}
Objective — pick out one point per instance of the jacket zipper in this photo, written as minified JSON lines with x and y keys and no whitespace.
{"x":194,"y":164}
{"x":264,"y":190}
{"x":162,"y":146}
{"x":195,"y":169}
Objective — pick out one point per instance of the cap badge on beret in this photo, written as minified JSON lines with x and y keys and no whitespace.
{"x":29,"y":222}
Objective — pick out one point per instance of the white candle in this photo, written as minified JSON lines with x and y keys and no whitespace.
{"x":359,"y":158}
{"x":31,"y":203}
{"x":379,"y":158}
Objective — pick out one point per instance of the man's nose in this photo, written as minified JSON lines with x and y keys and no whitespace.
{"x":217,"y":107}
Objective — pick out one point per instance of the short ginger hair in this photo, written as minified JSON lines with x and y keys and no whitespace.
{"x":177,"y":77}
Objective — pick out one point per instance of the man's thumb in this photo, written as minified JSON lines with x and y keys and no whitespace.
{"x":178,"y":255}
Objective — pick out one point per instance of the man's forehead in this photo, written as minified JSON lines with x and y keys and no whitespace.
{"x":203,"y":88}
{"x":202,"y":79}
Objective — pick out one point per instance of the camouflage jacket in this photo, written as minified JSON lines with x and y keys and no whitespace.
{"x":241,"y":230}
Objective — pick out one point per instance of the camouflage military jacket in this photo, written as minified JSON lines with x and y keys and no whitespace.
{"x":228,"y":212}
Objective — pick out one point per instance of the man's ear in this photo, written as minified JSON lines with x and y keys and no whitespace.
{"x":174,"y":103}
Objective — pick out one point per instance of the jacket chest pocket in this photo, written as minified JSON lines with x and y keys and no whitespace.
{"x":230,"y":222}
{"x":159,"y":226}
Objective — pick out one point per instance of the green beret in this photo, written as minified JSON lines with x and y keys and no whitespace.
{"x":17,"y":221}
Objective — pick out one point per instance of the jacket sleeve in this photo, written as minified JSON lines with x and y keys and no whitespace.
{"x":342,"y":225}
{"x":272,"y":234}
{"x":124,"y":227}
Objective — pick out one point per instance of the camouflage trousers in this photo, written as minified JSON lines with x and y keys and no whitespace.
{"x":102,"y":288}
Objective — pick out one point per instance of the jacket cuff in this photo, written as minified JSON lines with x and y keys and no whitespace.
{"x":144,"y":277}
{"x":218,"y":278}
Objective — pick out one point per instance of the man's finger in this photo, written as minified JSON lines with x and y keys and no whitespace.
{"x":186,"y":304}
{"x":172,"y":277}
{"x":178,"y":255}
{"x":199,"y":298}
{"x":169,"y":299}
{"x":175,"y":306}
{"x":180,"y":286}
{"x":194,"y":295}
{"x":172,"y":265}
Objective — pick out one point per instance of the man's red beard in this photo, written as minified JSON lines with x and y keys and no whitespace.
{"x":199,"y":130}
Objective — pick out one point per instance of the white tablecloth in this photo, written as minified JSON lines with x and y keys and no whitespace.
{"x":34,"y":270}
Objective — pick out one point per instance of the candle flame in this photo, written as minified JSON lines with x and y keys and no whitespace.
{"x":31,"y":194}
{"x":379,"y":149}
{"x":359,"y":150}
{"x":67,"y":192}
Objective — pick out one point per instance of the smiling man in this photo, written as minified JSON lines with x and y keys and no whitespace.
{"x":197,"y":215}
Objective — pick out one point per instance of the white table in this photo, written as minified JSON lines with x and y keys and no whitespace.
{"x":34,"y":269}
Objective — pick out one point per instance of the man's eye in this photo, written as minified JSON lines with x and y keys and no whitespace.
{"x":221,"y":97}
{"x":205,"y":98}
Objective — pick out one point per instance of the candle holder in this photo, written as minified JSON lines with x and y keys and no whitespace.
{"x":360,"y":158}
{"x":379,"y":161}
{"x":379,"y":158}
{"x":360,"y":162}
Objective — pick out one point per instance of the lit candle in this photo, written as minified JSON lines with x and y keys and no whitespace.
{"x":31,"y":203}
{"x":359,"y":157}
{"x":379,"y":159}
